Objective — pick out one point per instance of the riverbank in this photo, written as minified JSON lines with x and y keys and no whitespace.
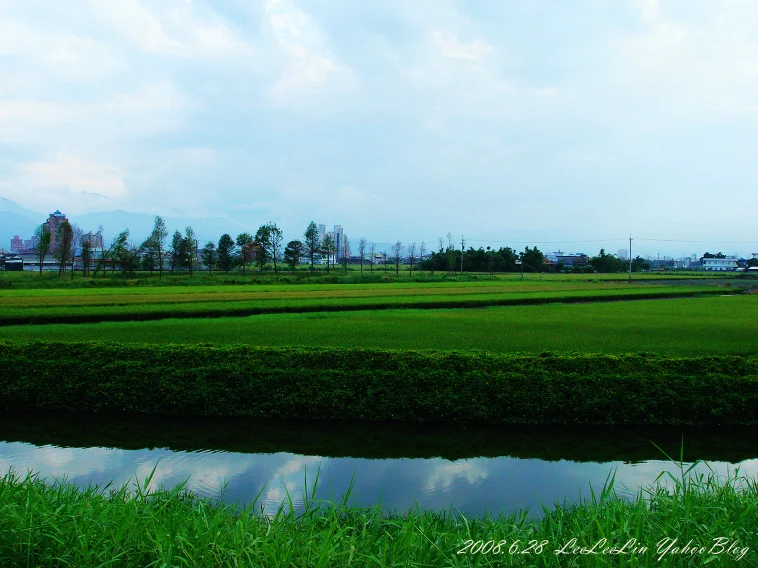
{"x":61,"y":525}
{"x":375,"y":385}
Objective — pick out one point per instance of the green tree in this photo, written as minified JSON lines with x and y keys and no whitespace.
{"x":311,"y":243}
{"x":293,"y":253}
{"x":246,"y":245}
{"x":43,"y":244}
{"x":190,"y":249}
{"x":225,"y":252}
{"x":150,"y":255}
{"x":263,"y":242}
{"x":606,"y":263}
{"x":177,"y":252}
{"x":531,"y":259}
{"x":158,"y":242}
{"x":328,"y":248}
{"x":209,"y":256}
{"x":640,"y":264}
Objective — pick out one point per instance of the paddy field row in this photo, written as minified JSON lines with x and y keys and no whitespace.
{"x":702,"y":326}
{"x":95,"y":305}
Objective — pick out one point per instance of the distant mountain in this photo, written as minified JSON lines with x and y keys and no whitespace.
{"x":15,"y":220}
{"x":8,"y":206}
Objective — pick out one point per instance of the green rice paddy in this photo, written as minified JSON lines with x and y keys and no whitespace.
{"x":92,"y":305}
{"x":685,"y":326}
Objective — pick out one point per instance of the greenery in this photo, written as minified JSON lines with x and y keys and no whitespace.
{"x":62,"y":525}
{"x":367,"y":384}
{"x":688,"y":326}
{"x":80,"y":306}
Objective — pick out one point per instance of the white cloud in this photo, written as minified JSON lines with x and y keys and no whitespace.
{"x":307,"y":65}
{"x":76,"y":174}
{"x":450,"y":46}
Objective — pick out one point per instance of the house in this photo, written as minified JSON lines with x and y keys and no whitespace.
{"x":726,"y":264}
{"x":12,"y":263}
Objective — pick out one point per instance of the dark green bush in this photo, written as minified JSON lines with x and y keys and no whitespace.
{"x":369,"y":384}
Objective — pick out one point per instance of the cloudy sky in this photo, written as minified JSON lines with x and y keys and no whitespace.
{"x":503,"y":120}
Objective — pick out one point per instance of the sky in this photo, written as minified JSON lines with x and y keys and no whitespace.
{"x":573,"y":124}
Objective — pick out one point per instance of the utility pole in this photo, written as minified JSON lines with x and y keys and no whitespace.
{"x":630,"y":258}
{"x":462,"y":244}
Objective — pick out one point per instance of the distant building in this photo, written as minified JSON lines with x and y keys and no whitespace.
{"x":95,"y":240}
{"x":53,"y":222}
{"x":728,"y":263}
{"x":338,"y":241}
{"x":31,"y":244}
{"x":568,"y":258}
{"x":12,"y":263}
{"x":17,"y":243}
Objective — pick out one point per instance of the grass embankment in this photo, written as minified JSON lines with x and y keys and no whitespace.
{"x":365,"y":384}
{"x":61,"y":525}
{"x":678,"y":327}
{"x":82,"y":306}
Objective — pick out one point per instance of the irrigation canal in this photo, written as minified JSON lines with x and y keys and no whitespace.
{"x":471,"y":469}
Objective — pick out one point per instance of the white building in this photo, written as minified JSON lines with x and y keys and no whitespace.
{"x":720,"y":264}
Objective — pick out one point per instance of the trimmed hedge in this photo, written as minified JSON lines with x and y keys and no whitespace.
{"x":370,"y":384}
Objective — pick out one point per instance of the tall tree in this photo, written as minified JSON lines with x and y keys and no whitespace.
{"x":397,"y":251}
{"x":86,"y":255}
{"x":263,"y":242}
{"x":531,"y":259}
{"x":329,"y":248}
{"x":190,"y":249}
{"x":64,"y":240}
{"x":411,"y":256}
{"x":176,"y":252}
{"x":149,"y":254}
{"x":225,"y":252}
{"x":362,"y":251}
{"x":43,"y":244}
{"x":209,"y":256}
{"x":293,"y":252}
{"x":158,"y":242}
{"x":421,"y":253}
{"x":245,"y":243}
{"x":275,"y":237}
{"x":372,"y":257}
{"x":311,"y":242}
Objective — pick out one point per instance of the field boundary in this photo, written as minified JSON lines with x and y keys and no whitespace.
{"x":371,"y":384}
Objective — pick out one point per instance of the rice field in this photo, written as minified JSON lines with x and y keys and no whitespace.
{"x":683,"y":326}
{"x":152,"y":303}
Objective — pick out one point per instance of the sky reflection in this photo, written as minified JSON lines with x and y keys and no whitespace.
{"x":473,"y":486}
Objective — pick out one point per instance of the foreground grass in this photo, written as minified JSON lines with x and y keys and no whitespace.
{"x":687,"y":326}
{"x":82,"y":306}
{"x":61,"y":525}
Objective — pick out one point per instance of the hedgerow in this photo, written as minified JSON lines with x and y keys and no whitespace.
{"x":370,"y":384}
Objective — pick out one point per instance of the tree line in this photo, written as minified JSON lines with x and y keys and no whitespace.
{"x":158,"y":253}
